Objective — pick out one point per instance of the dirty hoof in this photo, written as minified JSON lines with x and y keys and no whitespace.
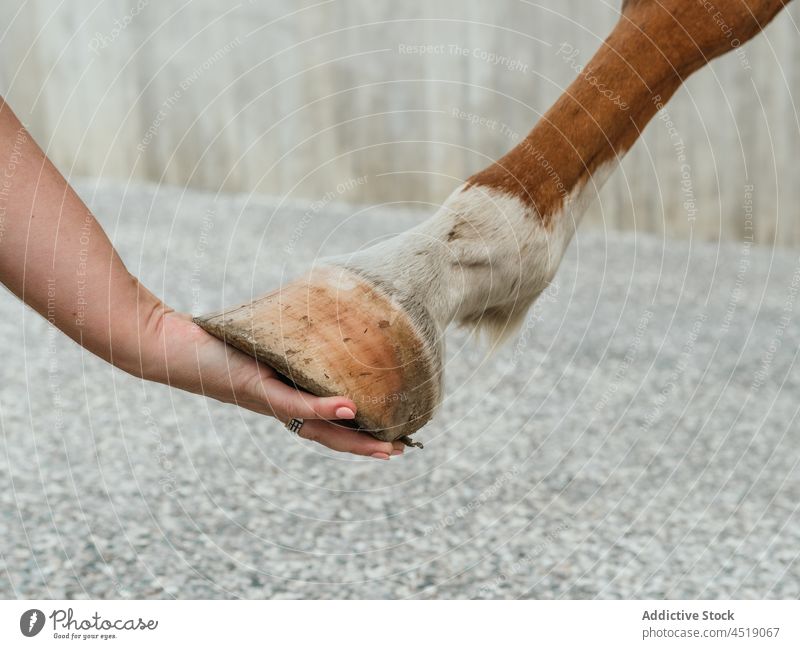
{"x":334,"y":333}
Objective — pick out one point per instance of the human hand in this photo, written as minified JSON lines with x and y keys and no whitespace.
{"x":187,"y":357}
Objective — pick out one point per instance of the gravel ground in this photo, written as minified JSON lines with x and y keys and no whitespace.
{"x":638,"y":439}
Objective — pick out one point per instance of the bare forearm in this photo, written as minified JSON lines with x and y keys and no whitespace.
{"x":55,"y":256}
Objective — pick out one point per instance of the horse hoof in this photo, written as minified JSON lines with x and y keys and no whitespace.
{"x":335,"y":333}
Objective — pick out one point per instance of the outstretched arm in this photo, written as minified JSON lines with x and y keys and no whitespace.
{"x":55,"y":256}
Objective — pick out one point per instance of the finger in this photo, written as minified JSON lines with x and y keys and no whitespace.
{"x":345,"y":440}
{"x":291,"y":402}
{"x":398,"y":448}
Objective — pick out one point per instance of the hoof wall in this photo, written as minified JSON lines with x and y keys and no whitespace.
{"x":333,"y":333}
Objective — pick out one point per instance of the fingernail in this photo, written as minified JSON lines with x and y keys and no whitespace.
{"x":397,"y":452}
{"x":345,"y":413}
{"x":380,"y":456}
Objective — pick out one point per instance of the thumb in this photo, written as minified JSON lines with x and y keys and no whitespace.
{"x":288,"y":402}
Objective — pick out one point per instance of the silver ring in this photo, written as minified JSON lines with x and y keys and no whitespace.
{"x":294,"y":425}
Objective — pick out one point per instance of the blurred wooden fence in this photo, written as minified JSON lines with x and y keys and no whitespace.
{"x":389,"y":102}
